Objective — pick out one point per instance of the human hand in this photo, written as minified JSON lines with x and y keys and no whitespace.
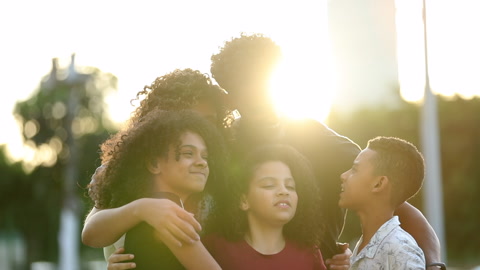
{"x":341,"y":260}
{"x":115,"y":261}
{"x":172,"y":223}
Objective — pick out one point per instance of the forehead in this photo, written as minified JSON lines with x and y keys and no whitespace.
{"x":365,"y":156}
{"x":272,"y":169}
{"x":189,"y":138}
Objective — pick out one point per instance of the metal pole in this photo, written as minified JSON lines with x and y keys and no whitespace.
{"x":432,"y":188}
{"x":69,"y":222}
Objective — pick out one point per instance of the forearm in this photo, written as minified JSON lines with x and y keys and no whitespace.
{"x":415,"y":223}
{"x":104,"y":227}
{"x":194,"y":256}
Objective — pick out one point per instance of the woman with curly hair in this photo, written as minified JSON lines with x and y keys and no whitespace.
{"x":273,"y":220}
{"x":168,"y":155}
{"x":185,"y":89}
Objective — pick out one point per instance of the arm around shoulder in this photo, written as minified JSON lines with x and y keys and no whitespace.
{"x":103,"y":227}
{"x":174,"y":224}
{"x":415,"y":223}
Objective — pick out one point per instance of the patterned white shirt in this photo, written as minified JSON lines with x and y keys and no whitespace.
{"x":390,"y":248}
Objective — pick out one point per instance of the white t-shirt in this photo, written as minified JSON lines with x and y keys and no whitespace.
{"x":107,"y":251}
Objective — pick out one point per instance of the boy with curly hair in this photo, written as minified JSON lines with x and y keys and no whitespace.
{"x":384,"y":175}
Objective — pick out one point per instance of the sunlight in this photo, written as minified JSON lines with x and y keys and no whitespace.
{"x":302,"y":86}
{"x":410,"y":50}
{"x":302,"y":90}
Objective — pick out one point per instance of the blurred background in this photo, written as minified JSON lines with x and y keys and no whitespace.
{"x":70,"y":68}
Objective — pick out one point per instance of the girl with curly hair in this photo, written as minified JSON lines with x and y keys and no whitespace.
{"x":273,"y":220}
{"x":167,"y":155}
{"x":185,"y":89}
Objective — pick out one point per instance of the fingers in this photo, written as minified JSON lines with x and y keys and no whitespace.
{"x":338,"y":263}
{"x":116,"y":260}
{"x":178,"y":227}
{"x":339,"y":267}
{"x":167,"y":237}
{"x":189,"y":219}
{"x":342,"y":260}
{"x":173,"y":224}
{"x":342,"y":247}
{"x":186,"y":227}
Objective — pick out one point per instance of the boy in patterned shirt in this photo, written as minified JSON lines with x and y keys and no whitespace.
{"x":385,"y":174}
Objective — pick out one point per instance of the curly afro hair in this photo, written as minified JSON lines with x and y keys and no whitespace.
{"x":305,"y":228}
{"x":126,"y":177}
{"x":181,"y":89}
{"x":248,"y":59}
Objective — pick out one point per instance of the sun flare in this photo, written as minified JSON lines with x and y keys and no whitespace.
{"x":302,"y":92}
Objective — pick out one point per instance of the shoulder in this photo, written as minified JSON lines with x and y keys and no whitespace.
{"x":313,"y":128}
{"x":217,"y":243}
{"x":303,"y":256}
{"x":403,"y":250}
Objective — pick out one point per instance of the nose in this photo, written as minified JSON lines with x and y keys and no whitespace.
{"x":201,"y":162}
{"x":283,"y":190}
{"x":343,"y":176}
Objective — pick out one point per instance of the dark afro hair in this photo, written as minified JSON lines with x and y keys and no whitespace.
{"x":180,"y":90}
{"x":246,"y":59}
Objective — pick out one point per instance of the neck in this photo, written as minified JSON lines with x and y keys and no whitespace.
{"x":172,"y":196}
{"x":371,"y":220}
{"x":266,"y":239}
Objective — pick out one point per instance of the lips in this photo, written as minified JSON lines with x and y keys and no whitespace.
{"x":283,"y":203}
{"x":200,"y":173}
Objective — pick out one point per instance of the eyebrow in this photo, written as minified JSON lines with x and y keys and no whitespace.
{"x":274,"y":179}
{"x":192,"y":146}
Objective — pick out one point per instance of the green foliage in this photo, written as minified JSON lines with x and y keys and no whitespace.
{"x":31,"y":204}
{"x":460,"y":127}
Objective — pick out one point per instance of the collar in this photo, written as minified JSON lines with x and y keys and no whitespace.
{"x":168,"y":195}
{"x":372,"y":247}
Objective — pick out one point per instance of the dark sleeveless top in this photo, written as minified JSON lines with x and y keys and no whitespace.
{"x":151,"y":253}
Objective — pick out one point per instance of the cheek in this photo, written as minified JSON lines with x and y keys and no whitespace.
{"x":256,"y":198}
{"x":294,"y":198}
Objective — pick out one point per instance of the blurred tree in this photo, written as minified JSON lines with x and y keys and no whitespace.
{"x":64,"y":121}
{"x":460,"y":140}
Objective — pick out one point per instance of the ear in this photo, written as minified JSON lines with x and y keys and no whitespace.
{"x":244,"y":203}
{"x":153,"y":165}
{"x":381,"y":183}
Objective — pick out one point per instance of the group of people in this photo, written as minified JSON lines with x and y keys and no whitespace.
{"x":207,"y":176}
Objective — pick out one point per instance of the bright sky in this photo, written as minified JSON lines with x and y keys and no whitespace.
{"x":138,"y":41}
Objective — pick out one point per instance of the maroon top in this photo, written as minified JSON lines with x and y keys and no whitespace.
{"x":240,"y":255}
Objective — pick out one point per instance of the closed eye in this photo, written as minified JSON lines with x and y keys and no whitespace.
{"x":291,"y":188}
{"x":187,"y":153}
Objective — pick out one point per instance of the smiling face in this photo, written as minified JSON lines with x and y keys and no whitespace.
{"x":271,"y":197}
{"x":358,"y":182}
{"x":185,"y":170}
